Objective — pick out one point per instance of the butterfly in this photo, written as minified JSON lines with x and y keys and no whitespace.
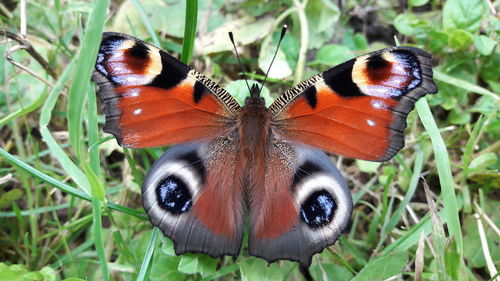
{"x":267,"y":166}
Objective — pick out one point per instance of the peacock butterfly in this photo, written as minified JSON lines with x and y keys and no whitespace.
{"x":264,"y":163}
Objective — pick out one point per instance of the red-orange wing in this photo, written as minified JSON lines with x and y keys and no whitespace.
{"x":152,"y":99}
{"x":357,"y":109}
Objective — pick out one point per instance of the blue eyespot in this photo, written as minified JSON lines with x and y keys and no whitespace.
{"x":318,"y":209}
{"x":173,"y":195}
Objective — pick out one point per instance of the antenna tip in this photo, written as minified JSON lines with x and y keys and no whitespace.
{"x":231,"y":36}
{"x":283,"y":31}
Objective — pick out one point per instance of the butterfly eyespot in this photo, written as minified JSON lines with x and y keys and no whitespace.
{"x":318,"y":209}
{"x":173,"y":195}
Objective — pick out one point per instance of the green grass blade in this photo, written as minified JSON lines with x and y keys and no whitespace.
{"x":147,"y":23}
{"x":438,"y":75}
{"x":98,"y":241}
{"x":64,"y":187}
{"x":45,"y":116}
{"x":85,"y":65}
{"x":451,"y":211}
{"x":148,"y":256}
{"x":25,"y":110}
{"x":189,"y":30}
{"x":417,"y":169}
{"x":93,"y":132}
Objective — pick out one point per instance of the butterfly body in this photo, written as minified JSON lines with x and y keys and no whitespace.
{"x":266,"y":164}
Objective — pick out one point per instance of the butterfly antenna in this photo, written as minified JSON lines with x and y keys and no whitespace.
{"x":238,"y":57}
{"x":283,"y":31}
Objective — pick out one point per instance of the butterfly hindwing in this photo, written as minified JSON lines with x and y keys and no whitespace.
{"x":302,"y":208}
{"x":191,"y":196}
{"x":153,"y":99}
{"x":357,"y":109}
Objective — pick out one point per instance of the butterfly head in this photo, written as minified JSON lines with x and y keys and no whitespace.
{"x":255,"y":99}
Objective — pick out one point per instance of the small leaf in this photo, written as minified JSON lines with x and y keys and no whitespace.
{"x":332,"y":271}
{"x":483,"y":161}
{"x":355,"y":42}
{"x":10,"y":196}
{"x":239,"y":90}
{"x":368,"y":166}
{"x":460,"y":39}
{"x":458,"y":117}
{"x":382,"y":268}
{"x":417,"y":3}
{"x":484,"y":44}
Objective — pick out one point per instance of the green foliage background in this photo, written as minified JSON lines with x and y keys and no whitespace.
{"x":70,"y":197}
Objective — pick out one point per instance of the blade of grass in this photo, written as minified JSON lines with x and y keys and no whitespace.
{"x":25,"y":110}
{"x":64,"y":187}
{"x":98,"y":241}
{"x":467,"y":158}
{"x":46,"y":113}
{"x":438,"y":75}
{"x":85,"y":65}
{"x":147,"y":23}
{"x":411,"y":237}
{"x":148,"y":256}
{"x":77,"y":94}
{"x":451,"y":210}
{"x":93,"y":132}
{"x":417,"y":169}
{"x":189,"y":30}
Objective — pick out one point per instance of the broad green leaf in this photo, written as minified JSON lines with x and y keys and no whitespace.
{"x":197,"y":263}
{"x":489,"y":68}
{"x":331,"y":271}
{"x":437,"y":40}
{"x":21,"y":273}
{"x":410,"y":24}
{"x":321,"y":18}
{"x":485,"y":105}
{"x":246,"y":30}
{"x":255,"y":269}
{"x":280,"y":68}
{"x":472,"y":244}
{"x":384,"y":267}
{"x":332,"y":55}
{"x":354,"y":41}
{"x":464,"y":14}
{"x":165,"y":268}
{"x":484,"y":44}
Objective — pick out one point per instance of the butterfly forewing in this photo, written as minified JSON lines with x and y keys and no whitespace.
{"x":357,"y":109}
{"x":152,"y":99}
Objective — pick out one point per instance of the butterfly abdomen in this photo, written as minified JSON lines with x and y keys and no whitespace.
{"x":253,"y":124}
